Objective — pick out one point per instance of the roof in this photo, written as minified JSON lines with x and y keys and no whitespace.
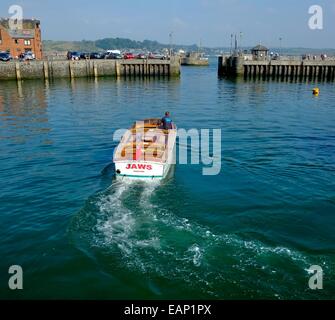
{"x":27,"y":32}
{"x":22,"y":34}
{"x":29,"y":24}
{"x":260,"y":48}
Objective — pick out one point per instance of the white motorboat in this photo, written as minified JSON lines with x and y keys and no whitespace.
{"x":146,"y":151}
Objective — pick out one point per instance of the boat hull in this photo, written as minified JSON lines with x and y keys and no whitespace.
{"x":146,"y":151}
{"x":141,"y":170}
{"x":194,"y":62}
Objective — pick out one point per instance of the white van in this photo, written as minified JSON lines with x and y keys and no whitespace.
{"x":113,"y":51}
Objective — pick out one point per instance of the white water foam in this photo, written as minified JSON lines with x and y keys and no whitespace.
{"x":144,"y":231}
{"x":197,"y":254}
{"x":115,"y":221}
{"x":119,"y":224}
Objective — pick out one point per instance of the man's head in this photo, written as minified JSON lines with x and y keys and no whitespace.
{"x":167,"y":114}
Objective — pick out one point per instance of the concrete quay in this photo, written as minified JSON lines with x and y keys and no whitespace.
{"x":39,"y":69}
{"x":237,"y":65}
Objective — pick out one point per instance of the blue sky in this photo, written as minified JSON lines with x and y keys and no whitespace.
{"x":190,"y":20}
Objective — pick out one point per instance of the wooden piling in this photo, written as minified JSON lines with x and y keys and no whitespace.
{"x":71,"y":70}
{"x":46,"y":70}
{"x":18,"y":71}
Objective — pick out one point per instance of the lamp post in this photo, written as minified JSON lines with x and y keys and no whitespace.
{"x":170,"y":36}
{"x":231,"y":44}
{"x":241,"y":35}
{"x":280,"y":45}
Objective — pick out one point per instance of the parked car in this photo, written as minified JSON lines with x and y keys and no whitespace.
{"x":26,"y":56}
{"x":97,"y":55}
{"x":142,"y":56}
{"x":73,"y":55}
{"x":4,"y":56}
{"x":114,"y":56}
{"x":128,"y":56}
{"x":84,"y":55}
{"x":157,"y":56}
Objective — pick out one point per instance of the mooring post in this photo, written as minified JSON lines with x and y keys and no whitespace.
{"x":88,"y":68}
{"x":117,"y":68}
{"x":95,"y":69}
{"x":46,"y":70}
{"x":71,"y":70}
{"x":18,"y":71}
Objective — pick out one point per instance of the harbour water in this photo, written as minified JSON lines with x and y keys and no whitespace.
{"x":251,"y":232}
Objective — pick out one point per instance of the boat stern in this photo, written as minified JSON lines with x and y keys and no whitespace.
{"x":139,"y":170}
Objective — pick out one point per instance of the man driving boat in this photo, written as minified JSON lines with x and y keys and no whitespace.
{"x":167,"y":121}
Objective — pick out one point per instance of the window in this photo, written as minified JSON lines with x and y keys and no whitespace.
{"x":27,"y":42}
{"x":16,"y":41}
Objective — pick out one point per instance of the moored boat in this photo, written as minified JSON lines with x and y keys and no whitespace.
{"x":194,"y":59}
{"x":146,"y":151}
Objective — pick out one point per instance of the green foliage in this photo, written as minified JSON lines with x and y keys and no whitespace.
{"x":83,"y":46}
{"x":122,"y":43}
{"x":107,"y":43}
{"x":111,"y":43}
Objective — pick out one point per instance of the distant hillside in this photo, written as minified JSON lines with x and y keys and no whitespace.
{"x":107,"y":43}
{"x":124,"y":44}
{"x":301,"y":51}
{"x":127,"y":43}
{"x":49,"y":45}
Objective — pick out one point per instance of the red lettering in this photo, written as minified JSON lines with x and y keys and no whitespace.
{"x":139,"y":166}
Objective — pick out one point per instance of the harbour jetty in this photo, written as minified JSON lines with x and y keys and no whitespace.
{"x":43,"y":69}
{"x":194,"y":59}
{"x":260,"y":64}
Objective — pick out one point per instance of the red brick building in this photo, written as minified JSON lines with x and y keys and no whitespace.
{"x":17,"y":41}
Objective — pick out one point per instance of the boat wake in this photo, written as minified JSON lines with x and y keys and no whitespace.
{"x":118,"y":224}
{"x":128,"y":224}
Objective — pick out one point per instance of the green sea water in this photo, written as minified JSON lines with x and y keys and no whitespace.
{"x":250,"y":232}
